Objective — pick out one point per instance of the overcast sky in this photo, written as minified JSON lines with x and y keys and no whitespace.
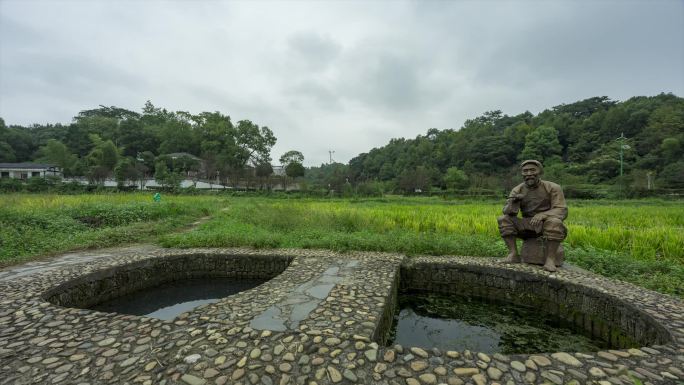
{"x":344,"y":76}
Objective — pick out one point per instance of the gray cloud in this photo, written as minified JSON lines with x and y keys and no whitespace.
{"x":315,"y":51}
{"x":346,"y":76}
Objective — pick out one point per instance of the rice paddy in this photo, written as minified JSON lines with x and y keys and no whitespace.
{"x":641,"y":241}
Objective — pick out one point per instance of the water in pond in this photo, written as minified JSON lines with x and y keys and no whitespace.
{"x":460,"y":323}
{"x":170,"y":299}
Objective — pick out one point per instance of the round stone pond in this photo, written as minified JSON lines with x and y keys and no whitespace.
{"x":501,"y":299}
{"x":166,"y":288}
{"x":170,"y":299}
{"x":456,"y":322}
{"x":321,"y":317}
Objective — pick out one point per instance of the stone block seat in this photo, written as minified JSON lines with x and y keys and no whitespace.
{"x":534,"y":249}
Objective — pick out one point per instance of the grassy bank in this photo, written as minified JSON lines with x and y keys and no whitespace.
{"x":36,"y":225}
{"x":637,"y":241}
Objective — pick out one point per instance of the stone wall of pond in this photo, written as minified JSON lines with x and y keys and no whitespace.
{"x":334,"y":341}
{"x":588,"y":308}
{"x":104,"y":285}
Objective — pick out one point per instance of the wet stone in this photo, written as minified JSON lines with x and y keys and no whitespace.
{"x":106,"y":342}
{"x":237,"y":374}
{"x":552,"y":377}
{"x":192,"y":380}
{"x":566,"y":359}
{"x":191,"y":359}
{"x":129,"y":362}
{"x":50,"y":360}
{"x":64,"y":368}
{"x":418,"y":366}
{"x":389,"y":356}
{"x":419,"y":352}
{"x":466,"y":371}
{"x":428,"y":378}
{"x":597,"y":372}
{"x":441,"y":371}
{"x":349,"y":375}
{"x":519,"y":366}
{"x":540,"y":360}
{"x":494,"y":373}
{"x":479,"y":379}
{"x":335,"y":375}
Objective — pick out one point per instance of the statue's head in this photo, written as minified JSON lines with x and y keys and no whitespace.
{"x":532,"y":171}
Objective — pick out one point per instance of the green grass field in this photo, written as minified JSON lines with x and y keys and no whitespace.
{"x":640,"y":241}
{"x":32,"y":226}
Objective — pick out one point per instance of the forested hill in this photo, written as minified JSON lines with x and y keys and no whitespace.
{"x":111,"y":141}
{"x":578,"y":143}
{"x":583,"y":145}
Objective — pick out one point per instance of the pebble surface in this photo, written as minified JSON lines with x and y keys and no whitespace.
{"x":334,"y":309}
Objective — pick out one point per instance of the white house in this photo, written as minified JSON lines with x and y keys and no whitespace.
{"x":28,"y":170}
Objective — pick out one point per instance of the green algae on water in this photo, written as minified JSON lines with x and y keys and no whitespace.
{"x":450,"y":322}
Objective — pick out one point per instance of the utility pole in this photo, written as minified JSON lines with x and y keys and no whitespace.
{"x":623,"y":147}
{"x":330,"y":152}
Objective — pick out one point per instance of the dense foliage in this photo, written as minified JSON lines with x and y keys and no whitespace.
{"x":579,"y":143}
{"x":113,"y":142}
{"x":594,"y":148}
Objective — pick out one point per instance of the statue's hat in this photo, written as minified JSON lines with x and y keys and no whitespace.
{"x":535,"y":162}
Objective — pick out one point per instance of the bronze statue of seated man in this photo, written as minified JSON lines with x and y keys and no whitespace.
{"x":543,"y":210}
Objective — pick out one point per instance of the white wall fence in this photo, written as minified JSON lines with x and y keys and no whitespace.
{"x":151,"y":183}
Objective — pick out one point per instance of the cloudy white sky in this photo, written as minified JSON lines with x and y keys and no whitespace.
{"x":327,"y":75}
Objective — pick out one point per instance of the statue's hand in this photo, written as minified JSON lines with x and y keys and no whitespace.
{"x":537,"y":219}
{"x":516,"y":197}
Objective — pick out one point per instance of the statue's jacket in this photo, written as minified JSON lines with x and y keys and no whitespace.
{"x":546,"y":198}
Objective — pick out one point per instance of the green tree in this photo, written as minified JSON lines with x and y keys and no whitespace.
{"x":21,"y":142}
{"x":6,"y":152}
{"x":456,"y":178}
{"x":102,"y":159}
{"x":672,"y":175}
{"x":252,"y":143}
{"x":291,"y":156}
{"x":58,"y":153}
{"x":126,"y":171}
{"x":415,"y":180}
{"x":671,"y":149}
{"x":294,"y":170}
{"x":542,"y":144}
{"x":292,"y":162}
{"x":167,"y":179}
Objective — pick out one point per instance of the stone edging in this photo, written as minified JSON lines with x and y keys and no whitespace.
{"x":215,"y":344}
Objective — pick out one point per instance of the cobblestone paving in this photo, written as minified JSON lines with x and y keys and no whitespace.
{"x":316,"y":323}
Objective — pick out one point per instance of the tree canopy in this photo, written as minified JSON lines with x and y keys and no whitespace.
{"x":112,"y":141}
{"x":577,"y":142}
{"x":636,"y":143}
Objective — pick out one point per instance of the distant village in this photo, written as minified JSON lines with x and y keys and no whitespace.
{"x":26,"y":171}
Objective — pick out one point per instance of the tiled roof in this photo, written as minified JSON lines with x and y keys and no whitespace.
{"x":27,"y":165}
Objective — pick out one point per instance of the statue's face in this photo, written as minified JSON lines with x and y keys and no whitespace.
{"x":530,"y":173}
